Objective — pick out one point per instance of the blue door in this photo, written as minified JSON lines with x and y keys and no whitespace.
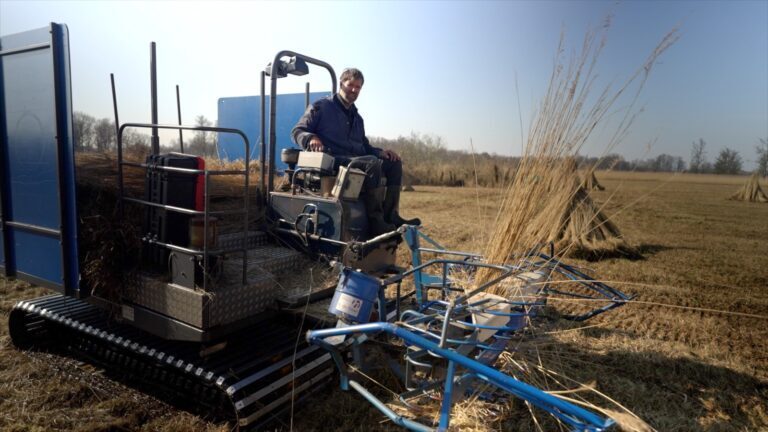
{"x":38,"y":218}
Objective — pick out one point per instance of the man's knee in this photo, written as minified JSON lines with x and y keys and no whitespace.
{"x":393,"y":171}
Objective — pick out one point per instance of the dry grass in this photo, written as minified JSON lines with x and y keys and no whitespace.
{"x":678,"y":369}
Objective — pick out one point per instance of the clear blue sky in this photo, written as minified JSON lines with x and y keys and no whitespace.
{"x":442,"y":68}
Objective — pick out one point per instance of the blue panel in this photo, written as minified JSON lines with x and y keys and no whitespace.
{"x":38,"y":256}
{"x":36,"y":152}
{"x":244,"y":113}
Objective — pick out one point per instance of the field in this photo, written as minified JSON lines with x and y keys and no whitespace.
{"x":690,"y":353}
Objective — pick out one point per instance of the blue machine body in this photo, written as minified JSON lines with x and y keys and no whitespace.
{"x":37,"y":179}
{"x":244,"y":113}
{"x":355,"y":296}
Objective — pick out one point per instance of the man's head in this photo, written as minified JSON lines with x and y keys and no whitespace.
{"x":351,"y":83}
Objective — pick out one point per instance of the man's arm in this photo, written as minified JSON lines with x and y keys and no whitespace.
{"x":380,"y":153}
{"x":369,"y":149}
{"x":304,"y":130}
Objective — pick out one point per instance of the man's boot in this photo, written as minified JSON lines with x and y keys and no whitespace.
{"x":377,"y":225}
{"x":391,"y":207}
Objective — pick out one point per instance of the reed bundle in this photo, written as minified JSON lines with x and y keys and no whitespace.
{"x":751,"y":191}
{"x":544,"y":201}
{"x":590,"y":182}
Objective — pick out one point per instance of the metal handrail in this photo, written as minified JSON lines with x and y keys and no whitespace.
{"x":206,"y":174}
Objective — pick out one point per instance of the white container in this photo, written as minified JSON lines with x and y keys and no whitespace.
{"x":349,"y":182}
{"x":315,"y":161}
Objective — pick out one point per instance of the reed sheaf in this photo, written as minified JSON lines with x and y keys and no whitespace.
{"x":751,"y":191}
{"x":545,"y":201}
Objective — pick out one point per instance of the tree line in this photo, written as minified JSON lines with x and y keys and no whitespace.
{"x":92,"y":134}
{"x":728,"y":161}
{"x":428,"y":161}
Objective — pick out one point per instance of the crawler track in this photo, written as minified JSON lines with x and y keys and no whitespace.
{"x":250,"y":381}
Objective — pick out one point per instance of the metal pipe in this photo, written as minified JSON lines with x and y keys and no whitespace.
{"x":397,"y":419}
{"x":119,"y":149}
{"x":306,"y":95}
{"x":262,"y":140}
{"x":178,"y":110}
{"x":35,"y":229}
{"x":273,"y":75}
{"x":155,"y":141}
{"x":205,"y":230}
{"x":573,"y":415}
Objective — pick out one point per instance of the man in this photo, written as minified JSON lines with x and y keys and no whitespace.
{"x":333,"y":125}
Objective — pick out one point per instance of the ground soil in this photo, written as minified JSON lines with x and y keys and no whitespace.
{"x":691,"y":353}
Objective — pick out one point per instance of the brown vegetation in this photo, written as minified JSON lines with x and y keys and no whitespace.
{"x":688,"y":354}
{"x":751,"y":190}
{"x":590,"y":182}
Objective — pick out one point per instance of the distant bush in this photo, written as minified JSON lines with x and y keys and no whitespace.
{"x":428,"y":162}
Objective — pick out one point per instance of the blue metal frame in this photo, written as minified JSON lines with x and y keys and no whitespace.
{"x":445,"y":329}
{"x":579,"y":419}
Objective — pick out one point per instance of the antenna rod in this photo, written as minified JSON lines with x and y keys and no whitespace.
{"x":114,"y":104}
{"x":153,"y":85}
{"x":178,"y":109}
{"x":119,"y":145}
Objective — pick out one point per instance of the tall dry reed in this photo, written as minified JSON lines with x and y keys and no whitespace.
{"x":544,"y":201}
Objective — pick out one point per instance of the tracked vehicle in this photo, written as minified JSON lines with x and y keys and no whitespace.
{"x":206,"y":311}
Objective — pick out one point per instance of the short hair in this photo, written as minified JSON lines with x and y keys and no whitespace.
{"x":351,"y":73}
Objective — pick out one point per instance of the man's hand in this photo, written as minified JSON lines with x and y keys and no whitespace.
{"x":315,"y":144}
{"x":389,"y":155}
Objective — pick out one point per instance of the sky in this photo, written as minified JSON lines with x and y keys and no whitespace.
{"x":463,"y":71}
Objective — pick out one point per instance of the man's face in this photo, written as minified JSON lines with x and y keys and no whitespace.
{"x":350,"y":90}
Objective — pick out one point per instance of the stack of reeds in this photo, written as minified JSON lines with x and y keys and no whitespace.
{"x":751,"y":191}
{"x":590,"y":181}
{"x":544,"y":202}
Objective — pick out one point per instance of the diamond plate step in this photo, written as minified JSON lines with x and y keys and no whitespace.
{"x":266,"y":258}
{"x":253,"y":239}
{"x":227,"y":299}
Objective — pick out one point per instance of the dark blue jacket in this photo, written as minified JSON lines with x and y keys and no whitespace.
{"x":341,"y":130}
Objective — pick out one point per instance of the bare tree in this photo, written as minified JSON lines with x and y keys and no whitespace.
{"x":132,"y":138}
{"x":104,"y":134}
{"x":203,"y":143}
{"x":728,"y":162}
{"x":762,"y":157}
{"x":698,"y":157}
{"x":82,"y":124}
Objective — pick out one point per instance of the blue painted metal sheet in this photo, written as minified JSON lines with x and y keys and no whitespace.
{"x":244,"y":113}
{"x":37,"y":182}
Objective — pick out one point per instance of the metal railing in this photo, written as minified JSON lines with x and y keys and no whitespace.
{"x":205,"y":212}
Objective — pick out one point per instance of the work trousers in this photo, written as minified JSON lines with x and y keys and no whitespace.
{"x":374,"y":169}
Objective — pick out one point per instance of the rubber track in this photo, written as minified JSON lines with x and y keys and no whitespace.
{"x":250,"y":381}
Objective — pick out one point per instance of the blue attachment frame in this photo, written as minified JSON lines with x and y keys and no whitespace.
{"x":445,"y":329}
{"x":579,"y":419}
{"x":605,"y":292}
